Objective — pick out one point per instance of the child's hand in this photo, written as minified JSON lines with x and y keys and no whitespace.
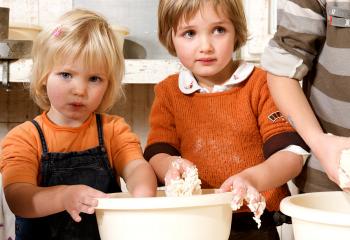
{"x":244,"y":191}
{"x":241,"y":188}
{"x":80,"y":199}
{"x":177,"y":167}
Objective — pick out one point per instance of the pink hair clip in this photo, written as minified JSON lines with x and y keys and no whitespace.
{"x":57,"y":32}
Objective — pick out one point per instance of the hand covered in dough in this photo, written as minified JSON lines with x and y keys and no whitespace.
{"x":243,"y":191}
{"x":182,"y":179}
{"x":176,"y":169}
{"x":344,"y":170}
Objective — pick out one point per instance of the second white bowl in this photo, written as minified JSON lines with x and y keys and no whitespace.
{"x":319,"y":215}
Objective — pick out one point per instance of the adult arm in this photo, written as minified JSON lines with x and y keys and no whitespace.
{"x":288,"y":58}
{"x":292,"y":102}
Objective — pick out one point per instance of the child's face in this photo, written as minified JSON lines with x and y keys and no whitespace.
{"x":74,"y":91}
{"x":205,"y":44}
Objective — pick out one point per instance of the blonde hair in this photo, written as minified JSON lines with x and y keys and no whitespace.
{"x":170,"y":12}
{"x":79,"y":34}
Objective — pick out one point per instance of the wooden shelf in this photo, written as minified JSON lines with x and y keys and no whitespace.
{"x":150,"y":71}
{"x":138,"y":71}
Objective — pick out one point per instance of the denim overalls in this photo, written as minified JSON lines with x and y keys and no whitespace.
{"x":90,"y":167}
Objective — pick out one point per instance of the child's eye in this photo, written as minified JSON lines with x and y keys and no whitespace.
{"x":95,"y":79}
{"x":219,"y":30}
{"x":65,"y":75}
{"x":189,"y":34}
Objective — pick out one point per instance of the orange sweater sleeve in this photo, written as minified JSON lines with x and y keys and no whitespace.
{"x":265,"y":108}
{"x":275,"y":130}
{"x":19,"y":157}
{"x":162,"y":119}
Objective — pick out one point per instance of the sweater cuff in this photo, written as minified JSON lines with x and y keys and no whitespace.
{"x":281,"y":141}
{"x":160,"y":147}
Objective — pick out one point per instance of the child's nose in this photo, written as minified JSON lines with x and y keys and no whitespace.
{"x":80,"y":87}
{"x":206,"y":45}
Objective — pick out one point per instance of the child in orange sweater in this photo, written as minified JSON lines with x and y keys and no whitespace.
{"x":219,"y":114}
{"x":55,"y":166}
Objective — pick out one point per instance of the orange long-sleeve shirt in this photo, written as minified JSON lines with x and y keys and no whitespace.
{"x":221,"y":133}
{"x":21,"y":148}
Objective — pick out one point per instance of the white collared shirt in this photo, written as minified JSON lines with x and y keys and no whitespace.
{"x":188,"y":84}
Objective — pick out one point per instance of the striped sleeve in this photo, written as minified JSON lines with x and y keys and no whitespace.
{"x":299,"y":38}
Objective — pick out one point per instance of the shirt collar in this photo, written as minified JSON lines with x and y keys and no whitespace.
{"x":188,"y":84}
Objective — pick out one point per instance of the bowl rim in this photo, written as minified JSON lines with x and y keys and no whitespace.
{"x":288,"y":207}
{"x":209,"y":198}
{"x":123,"y":30}
{"x":18,"y":25}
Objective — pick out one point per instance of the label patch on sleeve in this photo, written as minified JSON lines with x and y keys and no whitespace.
{"x":273,"y":117}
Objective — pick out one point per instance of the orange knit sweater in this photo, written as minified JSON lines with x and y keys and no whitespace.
{"x":221,"y":133}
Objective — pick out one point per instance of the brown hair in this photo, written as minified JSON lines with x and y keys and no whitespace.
{"x":78,"y":34}
{"x":170,"y":12}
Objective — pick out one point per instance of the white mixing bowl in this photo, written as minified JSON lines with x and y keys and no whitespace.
{"x":199,"y":217}
{"x":319,"y":215}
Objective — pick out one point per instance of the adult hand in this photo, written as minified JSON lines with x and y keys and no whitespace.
{"x":328,"y":150}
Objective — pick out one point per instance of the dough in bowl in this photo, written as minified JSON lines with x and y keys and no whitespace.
{"x":188,"y":185}
{"x":344,"y":169}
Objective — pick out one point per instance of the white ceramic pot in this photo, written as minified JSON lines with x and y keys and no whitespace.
{"x":203,"y":217}
{"x":120,"y":32}
{"x":319,"y":215}
{"x":22,"y":31}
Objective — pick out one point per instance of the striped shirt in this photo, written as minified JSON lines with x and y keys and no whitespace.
{"x":312,"y":44}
